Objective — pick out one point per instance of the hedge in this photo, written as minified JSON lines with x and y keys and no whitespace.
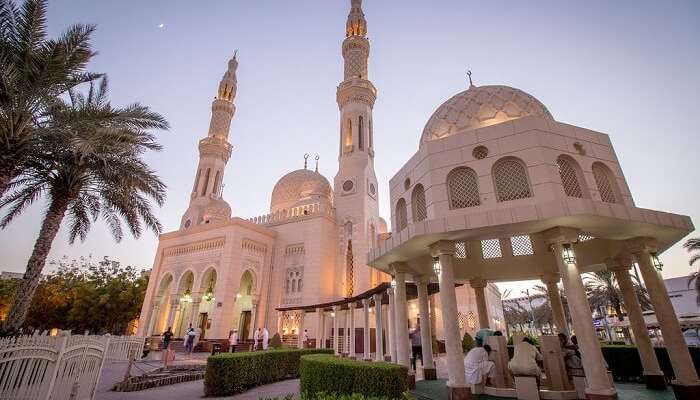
{"x":323,"y":375}
{"x":231,"y":373}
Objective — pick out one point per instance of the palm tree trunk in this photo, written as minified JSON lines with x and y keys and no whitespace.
{"x":32,"y":276}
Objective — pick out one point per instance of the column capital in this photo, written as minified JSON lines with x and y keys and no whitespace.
{"x":478,"y":283}
{"x":550,"y":277}
{"x":336,"y":308}
{"x":390,"y":292}
{"x":351,"y":306}
{"x":319,"y":310}
{"x":378,"y":298}
{"x":560,"y":235}
{"x":442,"y":247}
{"x":619,"y":263}
{"x":421,"y":279}
{"x":399,"y":267}
{"x":640,"y":245}
{"x":365,"y":302}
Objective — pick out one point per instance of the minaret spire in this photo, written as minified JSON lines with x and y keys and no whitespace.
{"x":356,"y":25}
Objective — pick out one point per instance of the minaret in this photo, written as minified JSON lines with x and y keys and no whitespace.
{"x":355,"y":184}
{"x":206,"y":204}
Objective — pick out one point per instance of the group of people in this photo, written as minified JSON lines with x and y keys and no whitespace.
{"x":261,"y":339}
{"x":526,"y":361}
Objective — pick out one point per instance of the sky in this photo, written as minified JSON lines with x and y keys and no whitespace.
{"x":625,"y":68}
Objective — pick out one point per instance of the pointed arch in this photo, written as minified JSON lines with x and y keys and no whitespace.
{"x":360,"y":133}
{"x":510,"y":179}
{"x":418,"y":206}
{"x":463,"y":188}
{"x":571,"y":176}
{"x":605,"y":181}
{"x":401,"y":217}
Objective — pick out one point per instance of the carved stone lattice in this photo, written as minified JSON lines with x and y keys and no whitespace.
{"x":491,"y":248}
{"x":521,"y":245}
{"x":401,"y":217}
{"x":602,"y":180}
{"x":290,"y":322}
{"x":462,"y":250}
{"x":462,"y":321}
{"x":418,"y":204}
{"x":569,"y":178}
{"x":582,"y":237}
{"x":471,"y":320}
{"x":480,"y":152}
{"x":511,"y":180}
{"x":349,"y":278}
{"x":462,"y":188}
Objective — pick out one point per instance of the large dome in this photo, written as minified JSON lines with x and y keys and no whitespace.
{"x":481,"y":106}
{"x":297,"y":187}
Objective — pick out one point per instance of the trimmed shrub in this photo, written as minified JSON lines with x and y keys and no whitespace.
{"x":323,"y":374}
{"x":276,"y":341}
{"x":467,"y":342}
{"x":625,"y":364}
{"x":231,"y":373}
{"x":356,"y":396}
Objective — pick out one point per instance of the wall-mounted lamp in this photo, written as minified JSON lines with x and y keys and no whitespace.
{"x":656,"y":262}
{"x":437,"y":267}
{"x":567,"y":254}
{"x":238,"y":295}
{"x":393,"y":283}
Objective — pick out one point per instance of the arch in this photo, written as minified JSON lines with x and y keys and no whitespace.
{"x":206,"y":181}
{"x":510,"y":179}
{"x":196,"y":181}
{"x":605,"y":181}
{"x":248,"y":283}
{"x":463,"y":188}
{"x":371,"y":134}
{"x":165,"y":282}
{"x":571,"y":176}
{"x":360,"y":133}
{"x":186,"y":281}
{"x":418,"y":207}
{"x":401,"y":217}
{"x":217,"y":181}
{"x":348,"y":133}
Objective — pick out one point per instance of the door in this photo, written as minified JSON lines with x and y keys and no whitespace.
{"x":202,"y":324}
{"x":244,"y":328}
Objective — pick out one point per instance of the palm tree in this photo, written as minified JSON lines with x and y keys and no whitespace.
{"x":693,"y":245}
{"x":34,"y":71}
{"x":90,"y":166}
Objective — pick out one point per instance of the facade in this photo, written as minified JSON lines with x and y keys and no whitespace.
{"x":219,"y":272}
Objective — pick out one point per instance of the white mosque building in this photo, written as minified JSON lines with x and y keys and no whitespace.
{"x":219,"y":272}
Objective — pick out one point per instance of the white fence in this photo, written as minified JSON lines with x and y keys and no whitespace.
{"x":59,"y":367}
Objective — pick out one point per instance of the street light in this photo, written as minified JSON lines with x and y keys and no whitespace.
{"x":567,"y":254}
{"x":393,"y":283}
{"x":209,"y":294}
{"x":656,"y":262}
{"x":187,"y":296}
{"x":437,"y":267}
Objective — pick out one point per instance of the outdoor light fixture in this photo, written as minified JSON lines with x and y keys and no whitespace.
{"x":568,"y":254}
{"x":333,"y":314}
{"x":393,"y":283}
{"x":656,"y":262}
{"x":209,"y":294}
{"x":437,"y":267}
{"x":187,"y":297}
{"x":238,"y":295}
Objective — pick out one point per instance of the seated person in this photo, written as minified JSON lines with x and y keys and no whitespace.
{"x":525,"y":360}
{"x":572,"y":357}
{"x":477,"y":365}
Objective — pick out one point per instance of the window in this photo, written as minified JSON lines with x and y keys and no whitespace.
{"x":569,"y":177}
{"x":604,"y":181}
{"x":462,"y":188}
{"x":217,"y":181}
{"x":510,"y":179}
{"x":196,"y":181}
{"x":401,"y":217}
{"x":491,"y":248}
{"x":206,"y":182}
{"x":348,"y":132}
{"x":521,"y":245}
{"x":418,"y":204}
{"x":361,"y":134}
{"x":461,"y":249}
{"x":371,"y":141}
{"x":480,"y":152}
{"x":582,"y":237}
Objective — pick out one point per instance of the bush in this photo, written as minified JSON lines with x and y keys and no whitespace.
{"x":323,"y":374}
{"x":467,"y":342}
{"x":625,"y":364}
{"x":231,"y":373}
{"x":356,"y":396}
{"x":276,"y":341}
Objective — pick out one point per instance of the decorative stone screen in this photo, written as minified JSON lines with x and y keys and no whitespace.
{"x":480,"y":152}
{"x":462,"y":250}
{"x":569,"y":177}
{"x":491,"y":248}
{"x":603,"y":180}
{"x":582,"y":237}
{"x":511,"y":181}
{"x":401,"y":217}
{"x":521,"y":245}
{"x":462,"y":188}
{"x":418,"y":204}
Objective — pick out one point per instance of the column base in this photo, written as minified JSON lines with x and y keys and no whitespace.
{"x":686,"y":392}
{"x":387,"y":358}
{"x":459,"y":393}
{"x":655,"y":381}
{"x":411,"y":381}
{"x":612,"y":395}
{"x":429,"y":374}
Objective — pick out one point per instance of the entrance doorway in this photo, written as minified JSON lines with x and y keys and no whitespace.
{"x":202,"y":324}
{"x":244,"y":326}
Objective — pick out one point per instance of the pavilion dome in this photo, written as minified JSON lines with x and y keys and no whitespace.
{"x":298,"y":188}
{"x":481,"y":106}
{"x":216,"y":209}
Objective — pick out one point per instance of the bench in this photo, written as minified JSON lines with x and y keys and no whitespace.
{"x":526,"y":387}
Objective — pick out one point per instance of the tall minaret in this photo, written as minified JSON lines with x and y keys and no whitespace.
{"x":206,"y":204}
{"x":355,"y":183}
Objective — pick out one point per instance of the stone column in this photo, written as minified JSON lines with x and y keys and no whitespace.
{"x":174,"y":306}
{"x":319,"y":328}
{"x":254,"y":315}
{"x":391,"y":326}
{"x":401,"y":316}
{"x":365,"y":330}
{"x":599,"y":386}
{"x":280,"y":322}
{"x":336,"y":335}
{"x":456,"y":384}
{"x":351,"y":313}
{"x":346,"y":333}
{"x":379,"y":353}
{"x":155,"y":315}
{"x":196,"y":301}
{"x":426,"y":335}
{"x":558,"y":315}
{"x":300,"y":334}
{"x":653,"y":377}
{"x":686,"y":385}
{"x":479,"y":293}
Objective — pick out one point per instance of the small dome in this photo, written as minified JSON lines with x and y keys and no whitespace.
{"x":216,"y":210}
{"x":298,"y":187}
{"x":481,"y":106}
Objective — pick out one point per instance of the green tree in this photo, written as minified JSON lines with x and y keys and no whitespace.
{"x":91,"y":166}
{"x":467,"y":342}
{"x":693,"y":246}
{"x":8,"y":287}
{"x":34,"y":71}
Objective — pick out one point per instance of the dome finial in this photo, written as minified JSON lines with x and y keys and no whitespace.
{"x":317,"y":157}
{"x":306,"y":159}
{"x":469,"y":74}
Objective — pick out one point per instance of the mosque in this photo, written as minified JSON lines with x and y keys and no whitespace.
{"x":219,"y":272}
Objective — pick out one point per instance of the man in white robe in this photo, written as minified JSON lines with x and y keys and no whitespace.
{"x":477,"y":366}
{"x":256,"y":339}
{"x":265,"y":338}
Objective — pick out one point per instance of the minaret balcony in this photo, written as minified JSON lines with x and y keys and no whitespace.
{"x":216,"y":147}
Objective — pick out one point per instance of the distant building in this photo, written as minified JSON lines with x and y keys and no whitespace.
{"x":11,"y":275}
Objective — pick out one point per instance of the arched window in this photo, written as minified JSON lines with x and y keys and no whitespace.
{"x":605,"y":182}
{"x":360,"y":133}
{"x":510,"y":180}
{"x":371,"y":140}
{"x":401,"y":217}
{"x":196,"y":181}
{"x":462,"y":188}
{"x":418,"y":203}
{"x":206,"y":182}
{"x":294,"y":285}
{"x":348,"y":132}
{"x":570,"y":177}
{"x":217,"y":181}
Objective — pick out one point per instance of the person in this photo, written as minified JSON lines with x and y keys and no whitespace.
{"x":233,"y":340}
{"x":304,"y":338}
{"x":265,"y":338}
{"x":525,"y":359}
{"x":478,"y":367}
{"x":189,"y":340}
{"x":482,"y":334}
{"x":167,"y":337}
{"x":572,"y":357}
{"x":416,"y":349}
{"x":256,"y":339}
